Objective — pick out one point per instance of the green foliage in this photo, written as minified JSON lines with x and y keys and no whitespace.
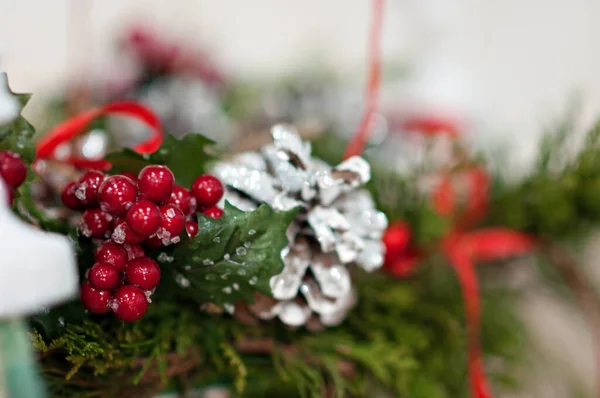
{"x":398,"y":341}
{"x":186,"y":157}
{"x":17,"y":136}
{"x":233,"y":256}
{"x":560,"y":199}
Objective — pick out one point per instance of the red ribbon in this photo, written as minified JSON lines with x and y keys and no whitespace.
{"x":464,"y":247}
{"x":360,"y":137}
{"x":72,"y":127}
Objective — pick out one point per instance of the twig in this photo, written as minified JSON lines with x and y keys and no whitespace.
{"x":584,"y":295}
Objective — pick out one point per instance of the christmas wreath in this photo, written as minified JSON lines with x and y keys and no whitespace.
{"x":273,"y":273}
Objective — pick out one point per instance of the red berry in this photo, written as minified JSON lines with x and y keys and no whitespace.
{"x":182,"y":198}
{"x":173,"y":223}
{"x":10,"y":196}
{"x":192,"y":228}
{"x":156,"y":182}
{"x":154,"y":240}
{"x":12,"y":169}
{"x":144,"y":218}
{"x":117,"y":194}
{"x":112,"y":253}
{"x":94,"y":223}
{"x":94,"y":300}
{"x":123,"y":234}
{"x":134,"y":251}
{"x":396,"y":240}
{"x":130,"y":175}
{"x":87,"y":187}
{"x":213,"y":212}
{"x":143,"y":272}
{"x":69,"y":198}
{"x":129,"y":303}
{"x":103,"y":276}
{"x":207,"y":189}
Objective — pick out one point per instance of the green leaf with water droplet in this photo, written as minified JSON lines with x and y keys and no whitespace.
{"x":232,"y":257}
{"x":17,"y":135}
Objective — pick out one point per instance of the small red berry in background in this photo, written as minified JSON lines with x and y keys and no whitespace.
{"x":12,"y":169}
{"x":129,"y":303}
{"x":10,"y":196}
{"x":117,"y":194}
{"x":207,"y":189}
{"x":173,"y":223}
{"x":69,"y":198}
{"x":191,"y":227}
{"x":131,"y":176}
{"x":94,"y":223}
{"x":401,"y":258}
{"x":182,"y":198}
{"x":156,"y":182}
{"x":94,"y":300}
{"x":144,"y":218}
{"x":134,"y":251}
{"x":213,"y":212}
{"x":103,"y":276}
{"x":87,"y":187}
{"x":143,"y":272}
{"x":396,"y":240}
{"x":112,"y":253}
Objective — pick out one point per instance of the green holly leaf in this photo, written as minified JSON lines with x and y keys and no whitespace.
{"x":17,"y":136}
{"x":186,"y":157}
{"x":126,"y":160}
{"x":232,"y":257}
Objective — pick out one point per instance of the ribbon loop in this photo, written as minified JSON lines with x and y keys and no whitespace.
{"x":71,"y":128}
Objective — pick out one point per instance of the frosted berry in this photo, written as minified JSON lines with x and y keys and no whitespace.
{"x":183,"y":199}
{"x":103,"y":276}
{"x":129,"y":303}
{"x":112,"y":253}
{"x":144,"y":218}
{"x":173,"y":223}
{"x":123,"y":234}
{"x":191,"y":227}
{"x":156,"y":182}
{"x":69,"y":198}
{"x":213,"y":212}
{"x":207,"y":189}
{"x":117,"y":194}
{"x":155,"y":240}
{"x":94,"y":223}
{"x":87,"y":187}
{"x":12,"y":169}
{"x":134,"y":251}
{"x":94,"y":300}
{"x":143,"y":272}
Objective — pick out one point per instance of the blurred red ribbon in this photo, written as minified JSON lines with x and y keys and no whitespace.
{"x":72,"y":127}
{"x":463,"y":247}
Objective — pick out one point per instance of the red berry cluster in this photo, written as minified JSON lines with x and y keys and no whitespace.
{"x":130,"y":213}
{"x":13,"y":171}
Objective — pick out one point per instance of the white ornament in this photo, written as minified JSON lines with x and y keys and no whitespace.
{"x":37,"y":268}
{"x":9,"y":106}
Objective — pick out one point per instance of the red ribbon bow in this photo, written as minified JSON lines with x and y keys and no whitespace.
{"x":463,"y":247}
{"x":72,"y":127}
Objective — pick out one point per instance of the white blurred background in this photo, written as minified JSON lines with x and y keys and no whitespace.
{"x":511,"y":66}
